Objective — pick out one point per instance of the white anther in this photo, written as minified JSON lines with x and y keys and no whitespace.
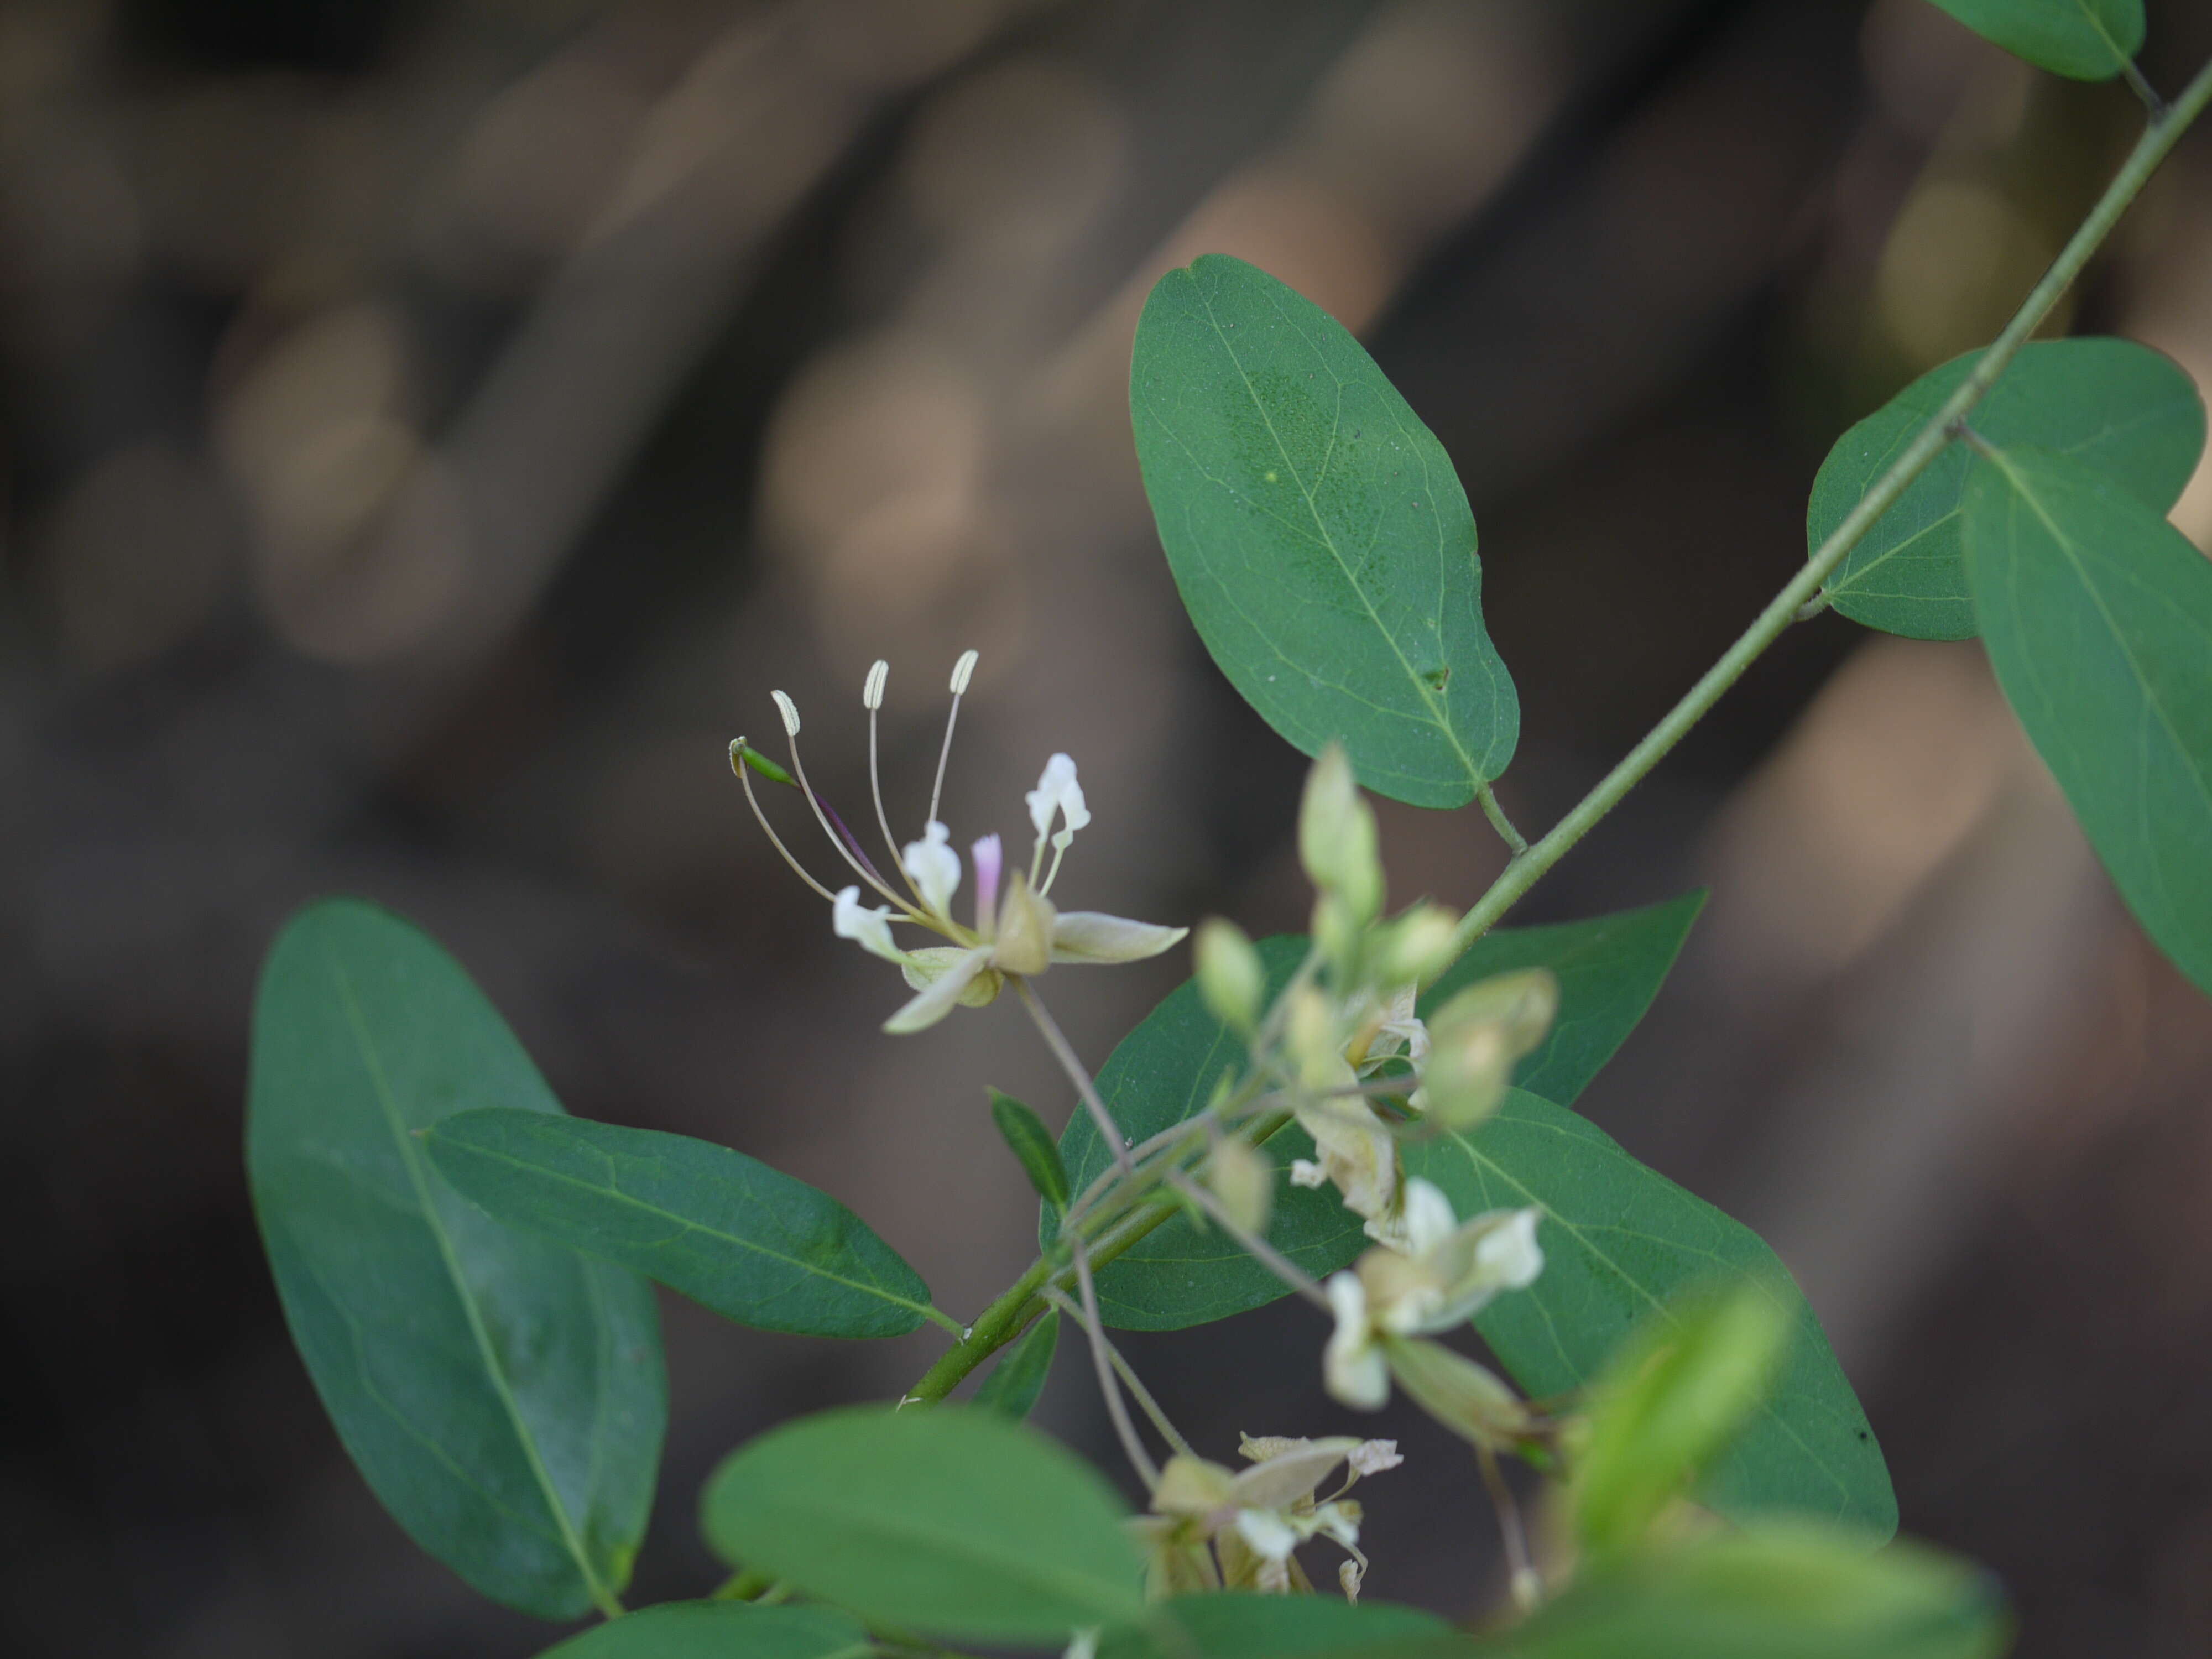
{"x":871,"y":694}
{"x":962,"y":672}
{"x":789,"y":710}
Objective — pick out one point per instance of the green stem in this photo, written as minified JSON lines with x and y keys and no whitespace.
{"x":2159,"y":136}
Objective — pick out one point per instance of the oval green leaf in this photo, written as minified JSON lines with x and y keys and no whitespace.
{"x":720,"y":1629}
{"x":1621,"y":1242}
{"x":753,"y":1244}
{"x":2119,"y":407}
{"x":1012,"y":1388}
{"x":1033,"y":1148}
{"x":503,"y":1396}
{"x":2084,"y":39}
{"x":1235,"y":1626}
{"x":1318,"y":534}
{"x":1794,"y":1590}
{"x":1609,"y":968}
{"x":2097,"y":614}
{"x":949,"y":1522}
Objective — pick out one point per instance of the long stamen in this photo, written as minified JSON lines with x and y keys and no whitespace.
{"x":1059,"y":852}
{"x":872,"y":699}
{"x":738,"y":765}
{"x":790,"y":736}
{"x":962,"y":672}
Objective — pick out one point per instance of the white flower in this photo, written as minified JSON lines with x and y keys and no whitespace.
{"x":1373,"y":1456}
{"x":935,"y":868}
{"x":1018,"y":930}
{"x":1255,"y":1520}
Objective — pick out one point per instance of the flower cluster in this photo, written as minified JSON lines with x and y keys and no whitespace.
{"x":1016,"y":931}
{"x":1212,"y":1528}
{"x":1349,"y":1032}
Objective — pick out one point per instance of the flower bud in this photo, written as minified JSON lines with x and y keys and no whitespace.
{"x":1243,"y":1178}
{"x":1025,"y":919}
{"x":1232,"y":982}
{"x":1316,"y":1040}
{"x":1470,"y":1400}
{"x":1336,"y":837}
{"x":1475,"y":1039}
{"x":1415,"y":947}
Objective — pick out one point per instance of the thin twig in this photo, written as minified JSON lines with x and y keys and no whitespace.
{"x":1072,"y":1063}
{"x":1128,"y":1373}
{"x":1100,"y":1358}
{"x":1527,"y":1588}
{"x":1266,"y":1253}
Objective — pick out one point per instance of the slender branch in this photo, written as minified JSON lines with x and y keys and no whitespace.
{"x":1258,"y":1248}
{"x":1130,"y":1380}
{"x":2158,"y":137}
{"x":1527,"y":1588}
{"x":2143,"y":89}
{"x":1072,"y":1063}
{"x":1101,"y":1357}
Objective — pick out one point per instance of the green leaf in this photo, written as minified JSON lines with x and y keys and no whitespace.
{"x":1235,"y":1626}
{"x":948,"y":1521}
{"x":2117,"y":406}
{"x":1318,"y":534}
{"x":720,"y":1629}
{"x":1791,"y":1591}
{"x":1032,"y":1145}
{"x":1620,"y":1242}
{"x":756,"y":1245}
{"x":2098,"y":618}
{"x":1673,"y":1396}
{"x":502,"y":1396}
{"x":1012,"y":1388}
{"x":1609,"y":968}
{"x":2085,"y":39}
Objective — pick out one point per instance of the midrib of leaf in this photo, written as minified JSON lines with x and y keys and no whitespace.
{"x":2151,"y":699}
{"x":2096,"y":22}
{"x":683,"y":1223}
{"x":600,"y":1595}
{"x":1765,"y":1406}
{"x":1436,"y":715}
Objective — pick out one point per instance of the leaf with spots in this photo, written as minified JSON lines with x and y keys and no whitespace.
{"x":1318,"y":534}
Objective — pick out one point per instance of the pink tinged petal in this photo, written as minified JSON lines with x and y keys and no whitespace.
{"x":990,"y":857}
{"x":942,"y":996}
{"x":1092,"y":936}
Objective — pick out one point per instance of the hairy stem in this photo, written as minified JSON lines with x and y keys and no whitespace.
{"x":2165,"y":128}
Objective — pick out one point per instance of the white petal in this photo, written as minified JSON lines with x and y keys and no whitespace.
{"x":1373,"y":1456}
{"x":1428,"y":1217}
{"x":1270,"y":1536}
{"x":869,"y":929}
{"x":1352,"y":1366}
{"x":1304,"y":1172}
{"x":1083,"y":1645}
{"x":1092,"y":936}
{"x":1058,"y":792}
{"x":1511,"y":1254}
{"x":1348,"y":1575}
{"x":935,"y":868}
{"x":942,"y":997}
{"x":1282,"y":1480}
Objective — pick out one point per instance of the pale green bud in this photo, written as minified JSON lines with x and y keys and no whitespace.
{"x":1476,"y":1038}
{"x":1336,"y":837}
{"x":1337,"y":932}
{"x":1316,"y":1040}
{"x":1415,"y":947}
{"x":1243,"y":1178}
{"x":1232,"y":981}
{"x":1470,"y":1400}
{"x":1025,"y":928}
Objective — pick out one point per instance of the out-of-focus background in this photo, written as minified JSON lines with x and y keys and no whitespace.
{"x":431,"y":428}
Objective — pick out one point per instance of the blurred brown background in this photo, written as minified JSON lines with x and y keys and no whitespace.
{"x":431,"y":428}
